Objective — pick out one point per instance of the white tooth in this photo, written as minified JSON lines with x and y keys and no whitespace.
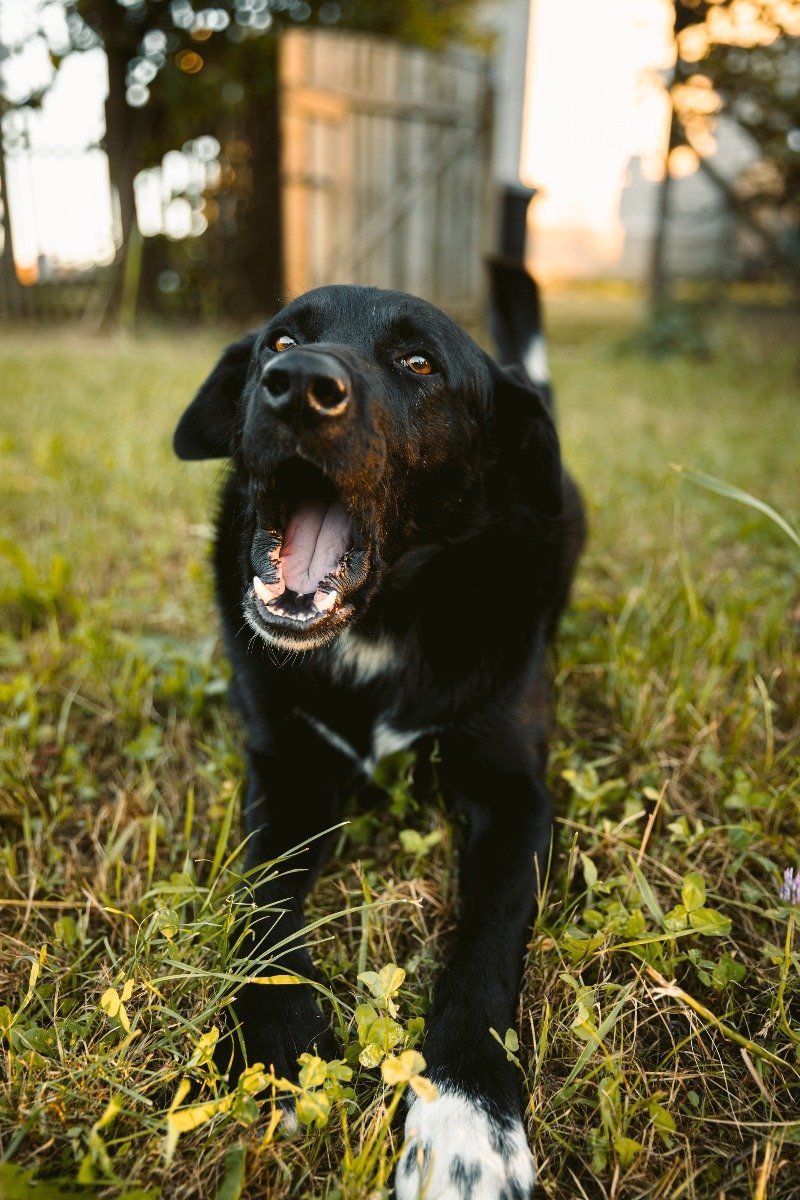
{"x":325,"y":601}
{"x":268,"y":592}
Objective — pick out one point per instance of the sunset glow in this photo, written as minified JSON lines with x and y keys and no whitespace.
{"x":595,"y":101}
{"x":595,"y":118}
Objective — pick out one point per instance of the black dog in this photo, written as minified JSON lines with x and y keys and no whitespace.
{"x":396,"y":515}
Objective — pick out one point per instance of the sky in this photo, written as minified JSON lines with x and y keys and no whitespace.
{"x":60,"y":195}
{"x":593,"y":102}
{"x":59,"y":189}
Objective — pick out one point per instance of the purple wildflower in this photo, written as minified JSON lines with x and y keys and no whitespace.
{"x":790,"y":890}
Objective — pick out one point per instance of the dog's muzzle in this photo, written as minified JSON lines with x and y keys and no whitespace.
{"x":309,"y":557}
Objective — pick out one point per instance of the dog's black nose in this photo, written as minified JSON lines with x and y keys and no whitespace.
{"x":306,"y":381}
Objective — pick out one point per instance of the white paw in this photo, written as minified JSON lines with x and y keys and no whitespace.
{"x":457,"y":1149}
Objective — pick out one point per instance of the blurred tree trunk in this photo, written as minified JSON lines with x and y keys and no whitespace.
{"x":253,"y":271}
{"x":258,"y":258}
{"x":126,"y":129}
{"x":685,"y":14}
{"x":240,"y":278}
{"x":12,"y":301}
{"x":659,"y":276}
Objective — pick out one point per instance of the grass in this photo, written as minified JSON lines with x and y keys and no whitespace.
{"x":659,"y":1029}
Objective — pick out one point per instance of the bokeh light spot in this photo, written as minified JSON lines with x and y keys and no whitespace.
{"x":189,"y":61}
{"x":683,"y":161}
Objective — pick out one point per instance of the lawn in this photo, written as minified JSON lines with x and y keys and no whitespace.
{"x":658,"y":1036}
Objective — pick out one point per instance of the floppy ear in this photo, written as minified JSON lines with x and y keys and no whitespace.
{"x":525,"y":440}
{"x":206,"y":429}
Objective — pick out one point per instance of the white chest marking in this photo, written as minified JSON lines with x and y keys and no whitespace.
{"x":387,"y":740}
{"x":361,"y":659}
{"x":456,"y":1149}
{"x":358,"y":660}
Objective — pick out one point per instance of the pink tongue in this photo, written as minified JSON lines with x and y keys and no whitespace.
{"x":316,"y":538}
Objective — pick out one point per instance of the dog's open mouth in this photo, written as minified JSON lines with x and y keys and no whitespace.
{"x":308,"y":553}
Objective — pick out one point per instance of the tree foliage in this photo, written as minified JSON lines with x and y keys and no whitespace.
{"x":741,"y":58}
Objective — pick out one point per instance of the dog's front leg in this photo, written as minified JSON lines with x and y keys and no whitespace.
{"x":470,"y":1143}
{"x":294,"y":795}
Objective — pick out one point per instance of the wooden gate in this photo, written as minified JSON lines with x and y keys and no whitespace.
{"x":385,"y":167}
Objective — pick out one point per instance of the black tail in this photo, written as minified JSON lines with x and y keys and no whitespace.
{"x":515,"y":321}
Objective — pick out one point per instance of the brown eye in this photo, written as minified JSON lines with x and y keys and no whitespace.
{"x":283,"y":342}
{"x":418,"y":363}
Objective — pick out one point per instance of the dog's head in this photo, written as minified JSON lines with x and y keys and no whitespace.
{"x":366,"y":426}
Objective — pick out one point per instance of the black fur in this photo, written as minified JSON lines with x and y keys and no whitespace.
{"x":467,"y":535}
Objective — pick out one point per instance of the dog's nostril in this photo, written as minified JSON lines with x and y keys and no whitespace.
{"x":325,"y":393}
{"x":277,"y":382}
{"x":296,"y":386}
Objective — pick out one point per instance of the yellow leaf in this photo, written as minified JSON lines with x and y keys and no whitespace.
{"x":34,"y":975}
{"x":627,"y":1149}
{"x":182,"y":1091}
{"x":371,"y":1055}
{"x":272,"y":1124}
{"x":384,"y":1033}
{"x":127,"y":991}
{"x":118,"y":912}
{"x":693,"y":892}
{"x":275,"y":980}
{"x":393,"y":1071}
{"x":113,"y":1107}
{"x":401,"y":1068}
{"x":413,"y":1061}
{"x":205,"y":1047}
{"x":110,"y":1002}
{"x":123,"y":1018}
{"x":313,"y":1071}
{"x":312,"y":1108}
{"x":253,"y":1079}
{"x":184,"y":1120}
{"x":384,"y":984}
{"x":391,"y":979}
{"x":425,"y":1088}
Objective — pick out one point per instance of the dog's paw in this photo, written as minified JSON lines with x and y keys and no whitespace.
{"x":457,"y":1148}
{"x":273,"y":1026}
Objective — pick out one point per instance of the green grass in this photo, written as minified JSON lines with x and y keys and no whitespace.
{"x":660,"y":1024}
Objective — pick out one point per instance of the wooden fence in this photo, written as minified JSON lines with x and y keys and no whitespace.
{"x":385,"y":179}
{"x":385,"y":167}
